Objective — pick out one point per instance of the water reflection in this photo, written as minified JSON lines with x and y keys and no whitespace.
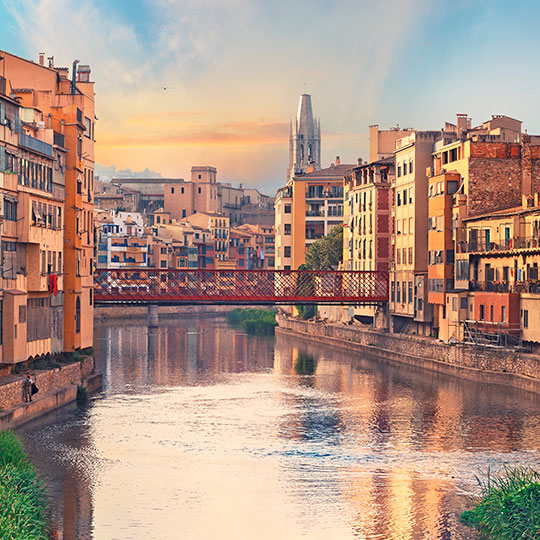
{"x":205,"y":432}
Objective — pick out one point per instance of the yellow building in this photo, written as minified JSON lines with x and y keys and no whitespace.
{"x":408,"y":272}
{"x":219,"y":228}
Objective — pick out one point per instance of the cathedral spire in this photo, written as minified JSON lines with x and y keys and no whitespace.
{"x":305,"y":139}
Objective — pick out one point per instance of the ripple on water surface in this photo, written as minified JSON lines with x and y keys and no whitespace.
{"x":203,"y":433}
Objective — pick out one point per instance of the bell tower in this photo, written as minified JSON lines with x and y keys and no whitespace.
{"x":304,"y":139}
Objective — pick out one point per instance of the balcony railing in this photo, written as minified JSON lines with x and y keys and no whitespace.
{"x":314,"y":213}
{"x":529,"y":286}
{"x":31,"y":143}
{"x":506,"y":244}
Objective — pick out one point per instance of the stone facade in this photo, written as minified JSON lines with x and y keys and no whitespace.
{"x":11,"y":394}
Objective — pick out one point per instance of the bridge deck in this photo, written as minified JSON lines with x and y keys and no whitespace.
{"x":240,"y":287}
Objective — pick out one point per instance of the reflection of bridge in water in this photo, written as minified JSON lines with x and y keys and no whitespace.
{"x":239,"y":287}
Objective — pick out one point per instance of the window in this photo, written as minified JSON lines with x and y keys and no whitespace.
{"x":287,"y":229}
{"x":287,"y":209}
{"x":78,"y":315}
{"x":183,"y":213}
{"x":392,"y":291}
{"x":172,"y":190}
{"x":525,"y":318}
{"x":503,"y":313}
{"x":482,"y":314}
{"x":287,"y":251}
{"x":399,"y":170}
{"x":163,"y":264}
{"x":398,"y":291}
{"x":405,"y":168}
{"x":10,"y":209}
{"x":411,"y":169}
{"x":410,"y":292}
{"x":199,"y":190}
{"x":410,"y":255}
{"x":491,"y":312}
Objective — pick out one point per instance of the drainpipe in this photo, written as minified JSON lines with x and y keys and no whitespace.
{"x":74,"y":76}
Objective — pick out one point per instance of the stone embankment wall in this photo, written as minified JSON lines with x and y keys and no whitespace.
{"x":489,"y":365}
{"x":52,"y":380}
{"x":102,"y":313}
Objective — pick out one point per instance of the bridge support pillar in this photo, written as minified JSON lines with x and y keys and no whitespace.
{"x":153,"y":320}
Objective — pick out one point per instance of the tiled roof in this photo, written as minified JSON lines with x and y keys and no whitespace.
{"x":336,"y":170}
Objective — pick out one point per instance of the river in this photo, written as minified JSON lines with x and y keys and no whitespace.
{"x":202,"y":432}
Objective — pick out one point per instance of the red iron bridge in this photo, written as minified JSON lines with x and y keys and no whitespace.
{"x":239,"y":287}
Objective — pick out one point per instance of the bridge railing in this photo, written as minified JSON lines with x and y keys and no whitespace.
{"x":144,"y":285}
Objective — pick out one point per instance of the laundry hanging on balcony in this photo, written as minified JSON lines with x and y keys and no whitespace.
{"x":53,"y":284}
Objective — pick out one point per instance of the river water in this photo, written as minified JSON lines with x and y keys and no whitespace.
{"x":203,"y":432}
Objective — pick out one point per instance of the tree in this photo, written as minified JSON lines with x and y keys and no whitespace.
{"x":324,"y":254}
{"x":327,"y":252}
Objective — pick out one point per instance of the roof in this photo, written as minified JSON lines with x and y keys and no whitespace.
{"x":336,"y":170}
{"x":500,"y":213}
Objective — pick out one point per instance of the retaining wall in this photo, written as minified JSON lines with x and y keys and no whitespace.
{"x":52,"y":380}
{"x":491,"y":365}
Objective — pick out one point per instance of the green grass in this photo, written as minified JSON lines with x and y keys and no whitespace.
{"x":508,"y":507}
{"x":23,"y":500}
{"x":253,"y":321}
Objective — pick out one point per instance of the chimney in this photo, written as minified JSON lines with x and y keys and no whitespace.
{"x":51,"y":61}
{"x":526,"y":173}
{"x":338,"y":161}
{"x":359,"y":161}
{"x":310,"y":168}
{"x":41,"y":58}
{"x":463,"y":123}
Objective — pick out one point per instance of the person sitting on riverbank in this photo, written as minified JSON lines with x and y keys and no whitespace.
{"x":27,"y":388}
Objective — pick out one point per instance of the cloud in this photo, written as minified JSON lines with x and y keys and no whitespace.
{"x":105,"y":173}
{"x":233,"y":69}
{"x":228,"y":133}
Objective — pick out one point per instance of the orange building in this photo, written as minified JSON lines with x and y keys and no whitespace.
{"x":441,"y":190}
{"x":67,"y":106}
{"x":314,"y":201}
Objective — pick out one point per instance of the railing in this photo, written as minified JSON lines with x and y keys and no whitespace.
{"x":529,"y":286}
{"x":314,"y":213}
{"x":143,"y":285}
{"x":31,"y":143}
{"x":505,"y":244}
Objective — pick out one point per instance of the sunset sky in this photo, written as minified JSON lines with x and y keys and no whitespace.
{"x":234,"y":69}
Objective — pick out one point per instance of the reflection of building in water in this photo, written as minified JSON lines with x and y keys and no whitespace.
{"x":69,"y":482}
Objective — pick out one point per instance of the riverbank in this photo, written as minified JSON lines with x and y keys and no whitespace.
{"x":57,"y":387}
{"x":479,"y":364}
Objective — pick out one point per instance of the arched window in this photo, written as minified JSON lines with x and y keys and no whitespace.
{"x":78,"y":315}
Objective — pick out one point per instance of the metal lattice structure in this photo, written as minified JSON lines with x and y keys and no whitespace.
{"x":248,"y":287}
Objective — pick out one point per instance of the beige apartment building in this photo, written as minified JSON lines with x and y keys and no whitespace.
{"x":408,"y":273}
{"x":200,"y":195}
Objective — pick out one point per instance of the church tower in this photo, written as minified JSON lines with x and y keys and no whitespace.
{"x":304,"y":139}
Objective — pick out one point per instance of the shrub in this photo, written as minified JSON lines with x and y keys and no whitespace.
{"x":508,"y":507}
{"x":23,"y":501}
{"x":253,"y":321}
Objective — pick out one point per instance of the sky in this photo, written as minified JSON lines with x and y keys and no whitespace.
{"x":216,"y":82}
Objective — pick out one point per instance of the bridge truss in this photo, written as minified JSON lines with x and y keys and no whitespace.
{"x":239,"y":287}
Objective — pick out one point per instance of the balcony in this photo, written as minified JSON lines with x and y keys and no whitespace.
{"x":502,"y":245}
{"x":31,"y":143}
{"x":529,"y":286}
{"x":314,"y":213}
